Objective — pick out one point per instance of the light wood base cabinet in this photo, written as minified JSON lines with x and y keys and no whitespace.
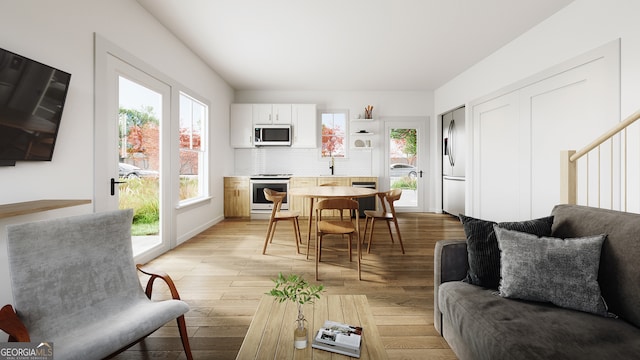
{"x":237,"y":192}
{"x":237,"y":197}
{"x":299,"y":203}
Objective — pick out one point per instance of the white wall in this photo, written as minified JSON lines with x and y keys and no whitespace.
{"x":60,"y":33}
{"x":580,"y":27}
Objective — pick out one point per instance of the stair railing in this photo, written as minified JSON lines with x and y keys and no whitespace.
{"x":569,"y":159}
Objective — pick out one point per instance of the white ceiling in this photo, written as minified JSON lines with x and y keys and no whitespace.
{"x":389,"y":45}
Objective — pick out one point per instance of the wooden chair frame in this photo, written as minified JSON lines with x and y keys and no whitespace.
{"x":387,"y":214}
{"x":277,"y":197}
{"x":334,"y":226}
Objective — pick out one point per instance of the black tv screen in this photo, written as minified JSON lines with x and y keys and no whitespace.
{"x":32,"y":96}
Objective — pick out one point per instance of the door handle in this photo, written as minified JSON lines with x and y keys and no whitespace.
{"x":113,"y":185}
{"x":420,"y":172}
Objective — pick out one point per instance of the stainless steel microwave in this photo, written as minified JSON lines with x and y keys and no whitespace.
{"x":272,"y":135}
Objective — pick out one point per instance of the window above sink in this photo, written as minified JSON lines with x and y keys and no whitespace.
{"x":334,"y":133}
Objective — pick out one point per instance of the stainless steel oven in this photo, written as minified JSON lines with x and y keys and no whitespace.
{"x":278,"y":182}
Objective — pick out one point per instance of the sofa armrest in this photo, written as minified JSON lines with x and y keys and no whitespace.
{"x":450,"y":264}
{"x":156,"y":274}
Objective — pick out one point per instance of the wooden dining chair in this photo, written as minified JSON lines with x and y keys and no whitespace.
{"x":331,"y":225}
{"x":331,"y":183}
{"x":387,"y":214}
{"x":277,"y":215}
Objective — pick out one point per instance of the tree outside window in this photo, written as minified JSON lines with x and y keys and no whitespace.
{"x":334,"y":132}
{"x":405,"y":141}
{"x":138,"y":138}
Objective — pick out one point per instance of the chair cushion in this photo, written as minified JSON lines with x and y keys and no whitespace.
{"x":114,"y":324}
{"x":378,"y":214}
{"x":287,"y":214}
{"x":336,"y":227}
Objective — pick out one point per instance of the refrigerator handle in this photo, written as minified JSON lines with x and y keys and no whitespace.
{"x":449,"y":143}
{"x":452,"y":129}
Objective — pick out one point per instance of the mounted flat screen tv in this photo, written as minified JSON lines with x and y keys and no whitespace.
{"x":32,"y":97}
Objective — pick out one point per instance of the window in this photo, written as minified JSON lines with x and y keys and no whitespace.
{"x":193,"y":154}
{"x":334,"y":133}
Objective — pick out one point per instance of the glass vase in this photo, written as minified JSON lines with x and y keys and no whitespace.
{"x":300,"y":333}
{"x":300,"y":338}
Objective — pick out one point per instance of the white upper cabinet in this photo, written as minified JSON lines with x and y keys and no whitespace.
{"x":271,"y":114}
{"x":301,"y":117}
{"x":305,"y":126}
{"x":282,"y":113}
{"x":241,"y":126}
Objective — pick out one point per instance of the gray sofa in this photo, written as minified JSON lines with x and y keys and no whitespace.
{"x":478,"y":323}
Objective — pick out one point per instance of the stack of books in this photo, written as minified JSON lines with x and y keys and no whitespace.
{"x":339,"y":338}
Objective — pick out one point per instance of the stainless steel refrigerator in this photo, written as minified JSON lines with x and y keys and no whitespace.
{"x":453,"y":162}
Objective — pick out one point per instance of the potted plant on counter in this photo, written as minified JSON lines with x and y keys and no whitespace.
{"x":297,"y":290}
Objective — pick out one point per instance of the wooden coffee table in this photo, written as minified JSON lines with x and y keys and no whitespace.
{"x":270,"y":335}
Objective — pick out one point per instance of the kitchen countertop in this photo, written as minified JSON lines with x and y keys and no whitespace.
{"x":316,"y":176}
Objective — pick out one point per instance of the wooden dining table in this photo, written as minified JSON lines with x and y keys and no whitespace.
{"x":329,"y":192}
{"x":270,"y":335}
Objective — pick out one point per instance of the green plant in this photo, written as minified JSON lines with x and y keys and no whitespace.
{"x":139,"y":229}
{"x":404,"y":183}
{"x":188,"y":187}
{"x":296,"y":289}
{"x":142,"y":196}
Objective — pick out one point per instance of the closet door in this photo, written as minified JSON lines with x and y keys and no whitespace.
{"x":497,"y":158}
{"x":518,"y":134}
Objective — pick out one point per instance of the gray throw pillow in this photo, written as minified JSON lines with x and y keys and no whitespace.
{"x":482,"y":246}
{"x":562,"y":272}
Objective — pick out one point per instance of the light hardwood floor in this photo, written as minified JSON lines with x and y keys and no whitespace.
{"x":222,"y":274}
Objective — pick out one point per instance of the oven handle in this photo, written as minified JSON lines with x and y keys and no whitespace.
{"x":269,"y":181}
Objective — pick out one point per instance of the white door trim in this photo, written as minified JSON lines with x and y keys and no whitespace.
{"x":108,"y":56}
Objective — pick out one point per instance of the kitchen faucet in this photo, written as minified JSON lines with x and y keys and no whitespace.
{"x":332,"y":165}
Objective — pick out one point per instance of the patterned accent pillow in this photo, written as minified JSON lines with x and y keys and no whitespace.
{"x":562,"y":272}
{"x":482,"y":246}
